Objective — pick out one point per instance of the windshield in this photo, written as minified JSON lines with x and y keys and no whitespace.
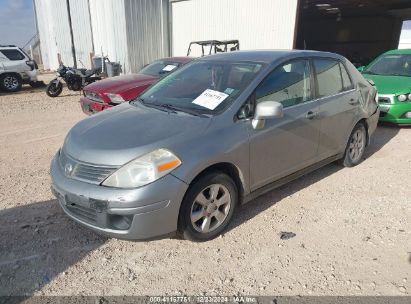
{"x":394,"y":65}
{"x":202,"y":86}
{"x":159,"y":68}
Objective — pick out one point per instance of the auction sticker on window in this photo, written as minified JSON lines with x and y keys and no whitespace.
{"x":210,"y":99}
{"x":169,"y":68}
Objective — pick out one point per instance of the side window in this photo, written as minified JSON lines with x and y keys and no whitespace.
{"x":347,"y":84}
{"x":13,"y":54}
{"x":329,"y":77}
{"x":288,"y":84}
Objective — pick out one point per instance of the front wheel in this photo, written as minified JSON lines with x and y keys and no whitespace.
{"x":208,"y":207}
{"x":355,"y":147}
{"x":54,"y":88}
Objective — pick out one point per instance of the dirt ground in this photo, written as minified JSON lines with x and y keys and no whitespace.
{"x":352,"y":226}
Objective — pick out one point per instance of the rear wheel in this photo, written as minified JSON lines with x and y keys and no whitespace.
{"x":355,"y":147}
{"x":11,"y":82}
{"x":208,"y":207}
{"x":54,"y":88}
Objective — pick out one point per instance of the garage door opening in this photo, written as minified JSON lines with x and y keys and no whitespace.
{"x":357,"y":29}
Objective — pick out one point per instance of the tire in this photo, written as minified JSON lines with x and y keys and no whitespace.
{"x":11,"y":82}
{"x":54,"y":89}
{"x":355,"y":147}
{"x":203,"y":216}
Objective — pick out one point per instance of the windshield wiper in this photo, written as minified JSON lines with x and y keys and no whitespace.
{"x":155,"y":106}
{"x":168,"y":107}
{"x":185,"y":110}
{"x":401,"y":75}
{"x":369,"y":72}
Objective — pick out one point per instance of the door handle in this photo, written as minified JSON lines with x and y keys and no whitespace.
{"x":311,"y":115}
{"x":353,"y":102}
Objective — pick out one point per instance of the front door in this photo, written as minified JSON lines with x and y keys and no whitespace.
{"x":288,"y":144}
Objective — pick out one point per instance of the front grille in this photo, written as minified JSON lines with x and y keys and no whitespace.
{"x":84,"y":171}
{"x":86,"y":214}
{"x":93,"y":96}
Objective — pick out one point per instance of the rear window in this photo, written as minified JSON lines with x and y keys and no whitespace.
{"x":332,"y":77}
{"x":347,"y":84}
{"x":13,"y":54}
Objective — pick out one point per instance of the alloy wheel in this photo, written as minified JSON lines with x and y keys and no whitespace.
{"x":357,"y":145}
{"x":10,"y":82}
{"x":210,"y":208}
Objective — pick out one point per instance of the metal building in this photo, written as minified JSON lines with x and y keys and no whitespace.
{"x":136,"y":32}
{"x":131,"y":32}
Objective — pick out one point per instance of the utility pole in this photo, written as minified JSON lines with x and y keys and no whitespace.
{"x":73,"y":49}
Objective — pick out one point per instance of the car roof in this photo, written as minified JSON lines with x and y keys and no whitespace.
{"x":399,"y":52}
{"x":267,"y":56}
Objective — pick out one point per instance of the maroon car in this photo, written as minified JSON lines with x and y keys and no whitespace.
{"x":107,"y":93}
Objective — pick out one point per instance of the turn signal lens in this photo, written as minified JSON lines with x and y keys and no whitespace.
{"x":169,"y":166}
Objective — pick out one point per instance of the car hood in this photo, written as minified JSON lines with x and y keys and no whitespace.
{"x":118,"y":135}
{"x":120,"y":84}
{"x":391,"y":84}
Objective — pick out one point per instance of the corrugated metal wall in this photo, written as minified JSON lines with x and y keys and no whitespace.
{"x":46,"y":46}
{"x":109,"y":30}
{"x":135,"y":32}
{"x":54,"y":32}
{"x":258,"y":24}
{"x":80,"y":19}
{"x":132,"y":32}
{"x":147,"y":31}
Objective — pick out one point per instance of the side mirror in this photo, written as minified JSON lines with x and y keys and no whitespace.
{"x":361,"y":68}
{"x":266,"y":110}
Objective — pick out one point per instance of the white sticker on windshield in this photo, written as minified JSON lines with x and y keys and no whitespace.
{"x":210,"y":99}
{"x":169,"y":68}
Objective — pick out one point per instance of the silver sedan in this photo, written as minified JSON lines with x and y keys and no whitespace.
{"x":213,"y":135}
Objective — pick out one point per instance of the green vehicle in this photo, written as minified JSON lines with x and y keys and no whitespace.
{"x":391,"y":73}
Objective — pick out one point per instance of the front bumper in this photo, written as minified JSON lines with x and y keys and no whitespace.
{"x":90,"y":107}
{"x":394,"y":113}
{"x":142,"y":213}
{"x":29,"y":76}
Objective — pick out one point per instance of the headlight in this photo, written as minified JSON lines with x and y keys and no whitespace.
{"x":115,"y":98}
{"x":143,"y":170}
{"x":409,"y":97}
{"x":93,"y":96}
{"x":402,"y":97}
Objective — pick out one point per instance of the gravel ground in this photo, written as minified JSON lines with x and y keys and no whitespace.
{"x":352,"y":226}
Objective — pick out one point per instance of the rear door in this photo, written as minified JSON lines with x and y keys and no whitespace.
{"x":338,"y":102}
{"x":286,"y":144}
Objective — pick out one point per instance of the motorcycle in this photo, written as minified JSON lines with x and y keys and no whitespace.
{"x":76,"y":79}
